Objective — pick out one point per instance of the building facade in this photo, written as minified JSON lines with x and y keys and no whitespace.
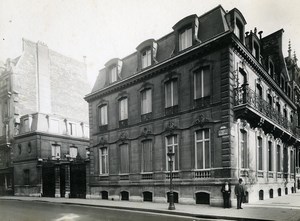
{"x":221,"y":99}
{"x":44,"y":120}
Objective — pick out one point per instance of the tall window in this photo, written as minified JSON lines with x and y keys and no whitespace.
{"x":72,"y":129}
{"x":146,"y":58}
{"x":244,"y":149}
{"x":73,"y":152}
{"x":256,"y":50}
{"x":26,"y":177}
{"x":260,"y":153}
{"x":242,"y":78}
{"x":259,"y":90}
{"x":270,"y":156}
{"x":202,"y":149}
{"x":113,"y":74}
{"x":26,"y":125}
{"x":103,"y":161}
{"x":185,"y":39}
{"x":239,"y":30}
{"x":278,"y":158}
{"x":147,"y":156}
{"x":103,"y":115}
{"x":146,"y":96}
{"x":172,"y":143}
{"x":292,"y":163}
{"x":55,"y":151}
{"x":271,"y":69}
{"x":123,"y":108}
{"x":278,"y":107}
{"x":171,"y":93}
{"x":202,"y":83}
{"x":124,"y":158}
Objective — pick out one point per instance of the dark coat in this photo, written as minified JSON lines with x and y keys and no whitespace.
{"x":239,"y":189}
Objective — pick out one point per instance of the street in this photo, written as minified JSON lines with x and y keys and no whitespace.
{"x":14,"y":210}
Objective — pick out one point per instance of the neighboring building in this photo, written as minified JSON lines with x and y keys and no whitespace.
{"x":221,"y":99}
{"x":45,"y":130}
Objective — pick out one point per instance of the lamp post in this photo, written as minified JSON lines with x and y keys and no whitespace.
{"x":171,"y":195}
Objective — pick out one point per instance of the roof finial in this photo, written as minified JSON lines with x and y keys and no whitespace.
{"x":295,"y":57}
{"x":290,"y":50}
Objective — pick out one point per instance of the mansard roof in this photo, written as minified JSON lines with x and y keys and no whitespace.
{"x":211,"y":24}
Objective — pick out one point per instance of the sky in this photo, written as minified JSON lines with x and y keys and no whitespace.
{"x":105,"y":29}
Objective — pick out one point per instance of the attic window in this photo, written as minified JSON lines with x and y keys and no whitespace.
{"x":271,"y":69}
{"x":146,"y":58}
{"x":256,"y":50}
{"x":239,"y":29}
{"x":185,"y":39}
{"x":113,"y":74}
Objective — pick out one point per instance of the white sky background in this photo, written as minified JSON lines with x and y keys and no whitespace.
{"x":105,"y":29}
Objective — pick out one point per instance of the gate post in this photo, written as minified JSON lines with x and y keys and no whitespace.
{"x":67,"y":179}
{"x":57,"y":180}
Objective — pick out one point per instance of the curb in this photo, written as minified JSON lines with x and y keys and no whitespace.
{"x":157,"y":211}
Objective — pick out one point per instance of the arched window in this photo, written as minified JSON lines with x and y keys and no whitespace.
{"x":124,"y":195}
{"x":202,"y":198}
{"x":147,"y":196}
{"x":104,"y":195}
{"x":261,"y":195}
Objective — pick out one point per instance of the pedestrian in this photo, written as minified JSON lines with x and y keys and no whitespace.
{"x":226,"y":190}
{"x":239,"y":192}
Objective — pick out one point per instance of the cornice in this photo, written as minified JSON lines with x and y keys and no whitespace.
{"x":159,"y":67}
{"x":255,"y":65}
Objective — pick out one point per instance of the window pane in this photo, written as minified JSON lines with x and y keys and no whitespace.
{"x":123,"y":109}
{"x":168,"y":94}
{"x":207,"y":155}
{"x":199,"y":135}
{"x":113,"y":74}
{"x":206,"y":84}
{"x":147,"y":156}
{"x":197,"y":85}
{"x":146,"y":101}
{"x":175,"y":92}
{"x":199,"y":155}
{"x":103,"y":115}
{"x":124,"y":158}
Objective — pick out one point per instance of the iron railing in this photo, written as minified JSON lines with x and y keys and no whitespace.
{"x":244,"y":95}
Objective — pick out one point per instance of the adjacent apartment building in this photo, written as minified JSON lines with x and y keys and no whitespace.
{"x":44,"y":124}
{"x":225,"y":101}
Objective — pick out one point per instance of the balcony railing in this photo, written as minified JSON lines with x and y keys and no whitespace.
{"x":146,"y":117}
{"x":202,"y":174}
{"x":147,"y":176}
{"x":123,"y":123}
{"x":260,"y":174}
{"x":171,"y":110}
{"x":244,"y":95}
{"x":175,"y":175}
{"x":202,"y":102}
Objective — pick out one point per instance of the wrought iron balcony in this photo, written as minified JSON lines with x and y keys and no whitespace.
{"x":245,"y":96}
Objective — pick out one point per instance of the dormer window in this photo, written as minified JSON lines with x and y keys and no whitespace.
{"x":146,"y":58}
{"x":185,"y":39}
{"x":113,"y":70}
{"x":113,"y":74}
{"x":271,"y":69}
{"x":239,"y":30}
{"x":186,"y":32}
{"x":256,"y":50}
{"x":146,"y":53}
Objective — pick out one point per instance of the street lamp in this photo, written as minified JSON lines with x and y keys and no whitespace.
{"x":171,"y":195}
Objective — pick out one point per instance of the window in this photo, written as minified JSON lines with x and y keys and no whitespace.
{"x":146,"y":58}
{"x":113,"y":75}
{"x":270,"y":154}
{"x":72,"y":129}
{"x":73,"y":152}
{"x":147,"y":156}
{"x":146,"y":96}
{"x":242,"y":78}
{"x":259,"y":90}
{"x":172,"y":143}
{"x":202,"y":149}
{"x":123,"y":108}
{"x":171,"y":93}
{"x":124,"y":158}
{"x":271,"y":69}
{"x":244,"y":149}
{"x":270,"y":100}
{"x":26,"y":177}
{"x":285,"y":113}
{"x":55,"y":151}
{"x":278,"y":158}
{"x":103,"y":115}
{"x":26,"y":125}
{"x":278,"y":107}
{"x":202,"y":83}
{"x":103,"y":160}
{"x":256,"y":50}
{"x":260,"y":153}
{"x":292,"y":163}
{"x":239,"y":30}
{"x":185,"y":39}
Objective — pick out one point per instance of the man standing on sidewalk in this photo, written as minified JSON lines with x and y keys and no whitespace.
{"x":239,"y":192}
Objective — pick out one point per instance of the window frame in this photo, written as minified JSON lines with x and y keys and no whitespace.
{"x":121,"y":166}
{"x":123,"y":109}
{"x":172,"y":92}
{"x":147,"y":101}
{"x":105,"y":156}
{"x":187,"y":41}
{"x":143,"y":156}
{"x":203,"y":140}
{"x":148,"y":55}
{"x":175,"y":149}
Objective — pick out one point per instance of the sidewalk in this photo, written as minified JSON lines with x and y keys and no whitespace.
{"x":280,"y":208}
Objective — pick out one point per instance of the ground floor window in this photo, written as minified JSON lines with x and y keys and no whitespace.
{"x":202,"y":198}
{"x":124,"y":195}
{"x":104,"y":195}
{"x":147,"y":196}
{"x":175,"y":196}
